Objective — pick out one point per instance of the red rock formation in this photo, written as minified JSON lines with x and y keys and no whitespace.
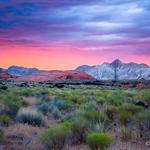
{"x":56,"y":76}
{"x":6,"y":76}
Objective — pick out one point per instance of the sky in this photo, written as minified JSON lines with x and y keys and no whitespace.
{"x":63,"y":34}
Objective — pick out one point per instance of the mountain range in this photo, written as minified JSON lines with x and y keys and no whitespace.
{"x":117,"y":70}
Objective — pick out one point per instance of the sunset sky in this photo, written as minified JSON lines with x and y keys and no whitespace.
{"x":63,"y":34}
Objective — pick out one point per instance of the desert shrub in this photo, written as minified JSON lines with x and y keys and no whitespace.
{"x":12,"y":109}
{"x":56,"y":113}
{"x":126,"y":111}
{"x":83,"y":123}
{"x":3,"y":87}
{"x":70,"y":116}
{"x":29,"y":92}
{"x":141,"y":123}
{"x":125,"y":117}
{"x":24,"y":103}
{"x":44,"y":92}
{"x":2,"y":108}
{"x":43,"y":107}
{"x":79,"y":129}
{"x":55,"y":137}
{"x":111,"y":112}
{"x":1,"y":134}
{"x":12,"y":103}
{"x":60,"y":104}
{"x":11,"y":98}
{"x":100,"y":141}
{"x":129,"y":93}
{"x":144,"y":95}
{"x":30,"y":116}
{"x":132,"y":108}
{"x":58,"y":85}
{"x":98,"y":121}
{"x":95,"y":116}
{"x":26,"y":92}
{"x":89,"y":107}
{"x":101,"y":93}
{"x":115,"y":99}
{"x":5,"y":120}
{"x":81,"y":99}
{"x":100,"y":100}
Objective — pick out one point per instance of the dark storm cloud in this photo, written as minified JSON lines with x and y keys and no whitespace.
{"x":103,"y":23}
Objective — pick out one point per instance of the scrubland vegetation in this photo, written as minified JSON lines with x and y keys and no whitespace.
{"x":71,"y":117}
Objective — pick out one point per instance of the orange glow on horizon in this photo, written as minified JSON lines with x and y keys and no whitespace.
{"x":58,"y":58}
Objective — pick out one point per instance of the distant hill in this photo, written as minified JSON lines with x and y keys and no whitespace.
{"x":22,"y":71}
{"x":84,"y":68}
{"x":117,"y":70}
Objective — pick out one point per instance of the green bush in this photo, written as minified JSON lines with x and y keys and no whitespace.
{"x":99,"y":141}
{"x":30,"y":116}
{"x":5,"y":120}
{"x":55,"y":137}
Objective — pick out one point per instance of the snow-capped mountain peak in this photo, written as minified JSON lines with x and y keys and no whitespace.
{"x":117,"y":70}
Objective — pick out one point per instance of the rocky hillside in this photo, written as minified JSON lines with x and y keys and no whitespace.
{"x":118,"y":70}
